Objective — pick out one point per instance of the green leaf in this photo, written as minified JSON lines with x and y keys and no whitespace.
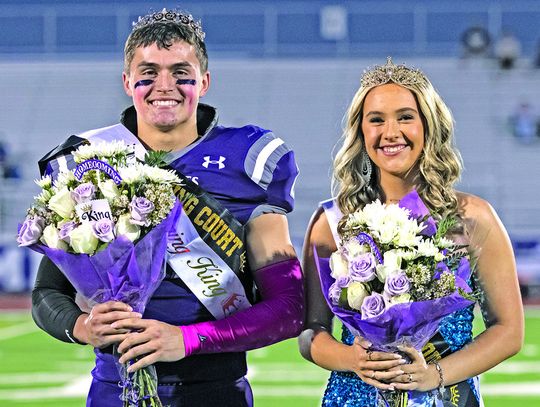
{"x":156,"y":158}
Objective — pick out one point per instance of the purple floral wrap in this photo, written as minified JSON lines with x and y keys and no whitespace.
{"x":123,"y":271}
{"x":412,"y":323}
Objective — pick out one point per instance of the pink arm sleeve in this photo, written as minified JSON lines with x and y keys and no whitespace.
{"x":277,"y":316}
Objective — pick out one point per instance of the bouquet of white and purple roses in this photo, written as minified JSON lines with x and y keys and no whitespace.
{"x":104,"y":224}
{"x":396,"y":275}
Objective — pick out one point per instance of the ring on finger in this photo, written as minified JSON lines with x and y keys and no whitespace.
{"x":369,"y":352}
{"x":373,"y":375}
{"x":409,"y":378}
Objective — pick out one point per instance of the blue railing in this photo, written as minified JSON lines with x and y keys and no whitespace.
{"x":282,"y":28}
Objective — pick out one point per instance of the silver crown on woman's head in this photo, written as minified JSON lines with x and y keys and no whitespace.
{"x":171,"y":16}
{"x":390,"y":72}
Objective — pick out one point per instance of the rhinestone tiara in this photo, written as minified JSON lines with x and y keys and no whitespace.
{"x":390,"y":72}
{"x":171,"y":16}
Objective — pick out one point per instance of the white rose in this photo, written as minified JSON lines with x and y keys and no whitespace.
{"x":383,"y":272}
{"x":83,"y":240}
{"x":392,"y":259}
{"x":50,"y":238}
{"x":62,"y":203}
{"x":356,"y":292}
{"x":109,"y":189}
{"x":399,"y":299}
{"x":126,"y":228}
{"x":339,"y":265}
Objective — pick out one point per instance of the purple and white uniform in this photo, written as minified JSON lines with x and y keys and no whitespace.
{"x":249,"y":171}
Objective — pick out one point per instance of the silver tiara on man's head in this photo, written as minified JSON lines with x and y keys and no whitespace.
{"x":173,"y":16}
{"x":390,"y":72}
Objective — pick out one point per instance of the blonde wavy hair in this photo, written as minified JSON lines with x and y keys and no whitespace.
{"x":439,"y":166}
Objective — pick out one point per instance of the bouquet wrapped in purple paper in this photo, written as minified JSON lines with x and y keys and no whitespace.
{"x":395,"y":275}
{"x":104,"y":224}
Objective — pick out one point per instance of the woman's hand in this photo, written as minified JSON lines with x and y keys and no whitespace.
{"x":417,"y":375}
{"x":95,"y":328}
{"x":379,"y":369}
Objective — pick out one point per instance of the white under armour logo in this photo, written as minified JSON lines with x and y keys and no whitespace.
{"x":219,"y":163}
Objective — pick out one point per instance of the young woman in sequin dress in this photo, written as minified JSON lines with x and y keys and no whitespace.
{"x":399,"y":137}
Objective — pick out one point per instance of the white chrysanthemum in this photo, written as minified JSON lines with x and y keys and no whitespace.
{"x":356,"y":219}
{"x":44,"y":197}
{"x":131,"y":174}
{"x":100,"y":150}
{"x":44,"y":182}
{"x":374,"y":213}
{"x":408,"y":255}
{"x":427,"y":248}
{"x":159,"y":174}
{"x":385,"y":231}
{"x":63,"y":178}
{"x":397,"y":214}
{"x":353,"y":248}
{"x":84,"y":152}
{"x":408,"y":233}
{"x":445,"y":243}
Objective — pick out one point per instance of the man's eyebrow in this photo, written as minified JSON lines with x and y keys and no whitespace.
{"x":147,"y":64}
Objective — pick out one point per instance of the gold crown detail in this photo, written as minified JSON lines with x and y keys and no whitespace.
{"x":171,"y":16}
{"x":390,"y":72}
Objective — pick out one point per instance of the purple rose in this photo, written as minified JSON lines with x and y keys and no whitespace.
{"x":30,"y":231}
{"x":372,"y":306}
{"x":83,"y":193}
{"x":104,"y":229}
{"x":343,"y":281}
{"x":140,"y":209}
{"x":362,"y":268}
{"x":397,"y":284}
{"x":334,"y":292}
{"x":65,"y":230}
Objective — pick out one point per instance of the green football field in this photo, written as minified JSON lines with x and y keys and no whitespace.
{"x":36,"y":370}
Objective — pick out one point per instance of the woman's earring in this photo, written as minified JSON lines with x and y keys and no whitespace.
{"x":366,"y":166}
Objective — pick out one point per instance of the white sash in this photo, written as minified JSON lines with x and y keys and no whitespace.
{"x":210,"y":279}
{"x":333,"y":215}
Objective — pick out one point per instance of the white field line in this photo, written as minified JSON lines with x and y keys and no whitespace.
{"x":511,"y":389}
{"x":17,"y":330}
{"x":37,"y":377}
{"x":512,"y":368}
{"x":261,"y":374}
{"x":76,"y":388}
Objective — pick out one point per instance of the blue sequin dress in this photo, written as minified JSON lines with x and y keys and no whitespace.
{"x":346,"y":389}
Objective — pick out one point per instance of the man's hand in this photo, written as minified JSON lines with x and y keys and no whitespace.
{"x":95,"y":328}
{"x":150,"y":340}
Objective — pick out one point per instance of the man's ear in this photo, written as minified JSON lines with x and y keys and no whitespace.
{"x":205,"y":83}
{"x":126,"y":82}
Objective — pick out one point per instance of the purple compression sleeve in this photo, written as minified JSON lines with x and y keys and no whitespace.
{"x":277,"y":316}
